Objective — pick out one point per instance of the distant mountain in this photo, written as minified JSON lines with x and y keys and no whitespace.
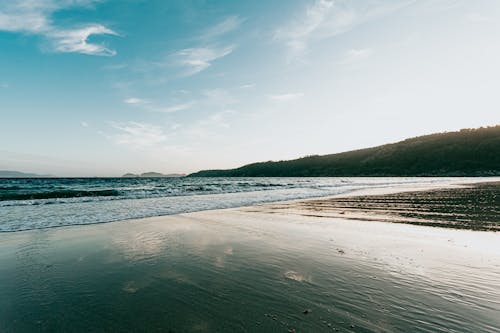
{"x":468,"y":152}
{"x":17,"y":174}
{"x":152,"y":175}
{"x":130,"y":175}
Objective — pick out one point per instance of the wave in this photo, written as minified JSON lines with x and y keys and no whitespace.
{"x":58,"y":194}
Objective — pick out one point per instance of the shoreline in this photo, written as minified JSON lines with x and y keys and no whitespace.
{"x":375,"y":191}
{"x":471,"y":206}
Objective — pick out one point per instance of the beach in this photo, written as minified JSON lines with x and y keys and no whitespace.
{"x":334,"y":264}
{"x":474,"y":206}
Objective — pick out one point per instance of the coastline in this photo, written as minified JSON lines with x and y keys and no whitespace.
{"x":133,"y":200}
{"x":289,"y":204}
{"x":290,"y":207}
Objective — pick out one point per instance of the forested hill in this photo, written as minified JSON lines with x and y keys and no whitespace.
{"x":468,"y":152}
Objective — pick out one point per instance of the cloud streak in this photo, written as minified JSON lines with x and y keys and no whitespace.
{"x":152,"y":107}
{"x":356,"y":55}
{"x":135,"y":101}
{"x":35,"y":18}
{"x":198,"y":59}
{"x":76,"y":41}
{"x":226,"y":26}
{"x":329,"y":18}
{"x":286,"y":97}
{"x":137,"y":135}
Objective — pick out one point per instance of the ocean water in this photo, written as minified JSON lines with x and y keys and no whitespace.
{"x":27,"y":204}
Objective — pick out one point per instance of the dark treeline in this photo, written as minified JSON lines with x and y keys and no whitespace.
{"x":468,"y":152}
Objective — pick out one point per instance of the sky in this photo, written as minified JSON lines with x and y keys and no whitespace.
{"x":101,"y":88}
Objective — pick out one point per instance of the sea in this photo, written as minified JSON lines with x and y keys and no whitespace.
{"x":38,"y":203}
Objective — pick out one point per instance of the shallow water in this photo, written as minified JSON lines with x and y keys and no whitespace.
{"x":27,"y":204}
{"x":249,"y":272}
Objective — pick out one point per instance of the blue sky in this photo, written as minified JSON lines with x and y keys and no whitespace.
{"x":100,"y":88}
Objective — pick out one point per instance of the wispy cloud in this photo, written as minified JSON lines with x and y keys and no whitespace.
{"x":285,"y":97}
{"x":220,"y":118}
{"x":150,"y":137}
{"x":226,"y":26}
{"x":84,"y":124}
{"x":195,"y":60}
{"x":135,"y":101}
{"x":152,"y":107}
{"x":218,"y":97}
{"x":76,"y":41}
{"x":328,"y":18}
{"x":208,"y":46}
{"x":297,"y":34}
{"x":35,"y":18}
{"x":209,"y":127}
{"x":137,"y":135}
{"x":4,"y":85}
{"x":209,"y":99}
{"x":355,"y":55}
{"x":175,"y":107}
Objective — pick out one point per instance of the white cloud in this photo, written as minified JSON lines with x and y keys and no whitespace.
{"x":193,"y":60}
{"x":296,"y":35}
{"x":229,"y":24}
{"x":26,"y":16}
{"x":76,"y":41}
{"x":286,"y":97}
{"x":35,"y":17}
{"x":329,"y":18}
{"x":209,"y":127}
{"x":218,"y":97}
{"x":84,"y":124}
{"x":137,"y":135}
{"x":354,"y":55}
{"x":199,"y":59}
{"x":174,"y":108}
{"x":152,"y":107}
{"x":135,"y":100}
{"x":210,"y":99}
{"x":220,"y":118}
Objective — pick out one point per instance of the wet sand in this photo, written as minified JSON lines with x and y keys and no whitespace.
{"x":467,"y":206}
{"x":256,"y":269}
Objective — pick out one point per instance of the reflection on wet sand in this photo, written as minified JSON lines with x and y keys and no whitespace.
{"x":236,"y":270}
{"x":474,"y":206}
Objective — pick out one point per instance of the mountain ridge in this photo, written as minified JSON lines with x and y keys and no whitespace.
{"x":468,"y":152}
{"x":19,"y":174}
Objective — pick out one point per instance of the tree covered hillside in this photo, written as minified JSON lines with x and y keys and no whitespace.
{"x":468,"y":152}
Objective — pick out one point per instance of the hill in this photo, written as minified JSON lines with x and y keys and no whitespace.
{"x":18,"y":174}
{"x":468,"y":152}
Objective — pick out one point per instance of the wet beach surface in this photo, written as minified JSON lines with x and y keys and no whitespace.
{"x":475,"y":207}
{"x":241,"y":270}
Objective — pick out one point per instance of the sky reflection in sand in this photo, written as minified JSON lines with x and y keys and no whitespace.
{"x":235,"y":270}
